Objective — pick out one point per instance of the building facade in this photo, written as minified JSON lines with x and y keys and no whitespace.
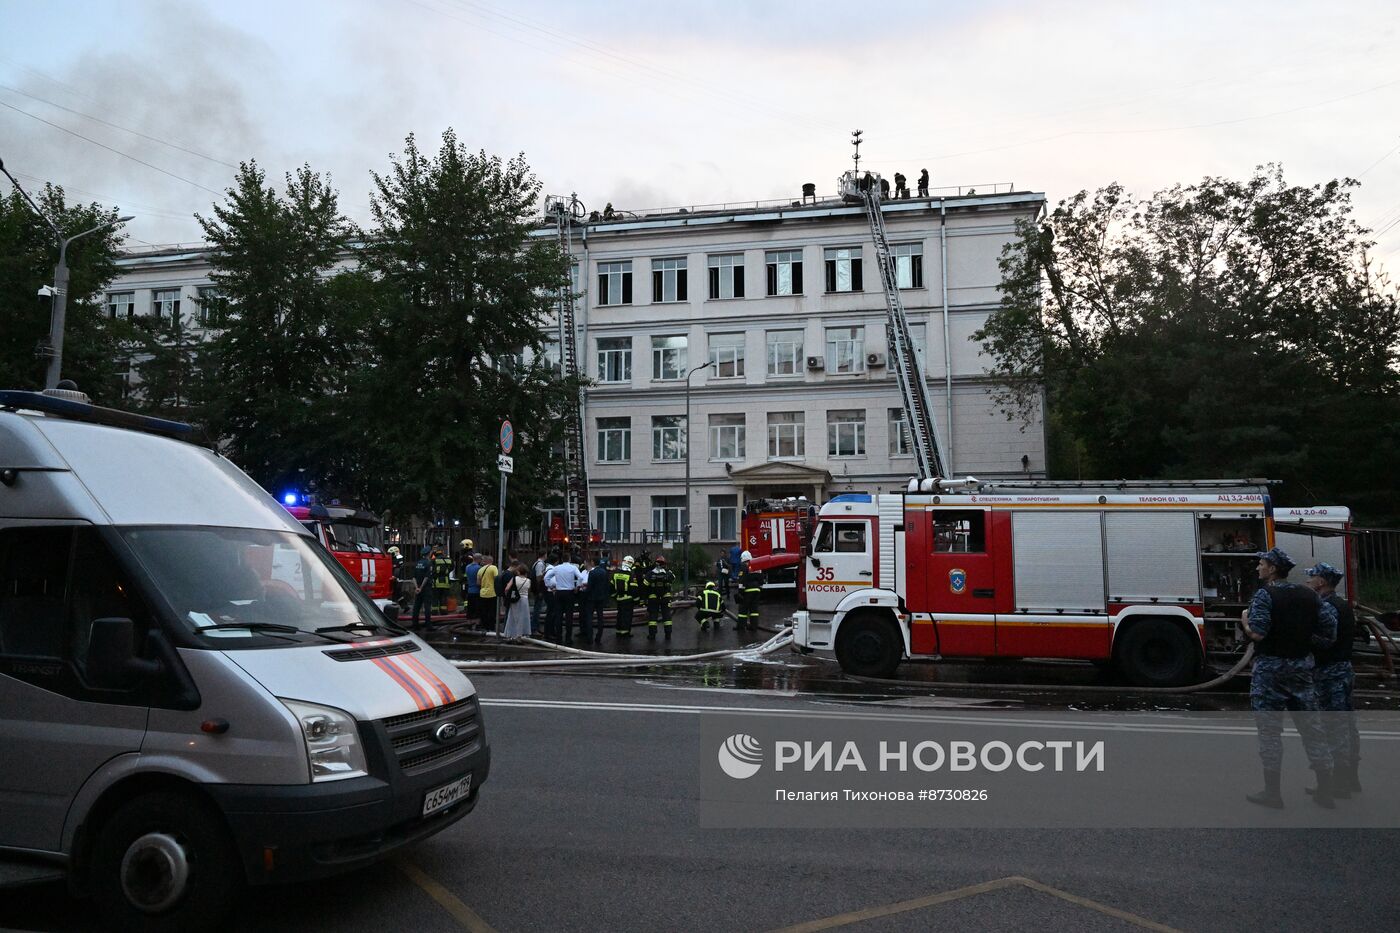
{"x":773,"y":318}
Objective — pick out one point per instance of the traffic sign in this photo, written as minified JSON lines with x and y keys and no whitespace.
{"x":507,"y":437}
{"x":505,"y":464}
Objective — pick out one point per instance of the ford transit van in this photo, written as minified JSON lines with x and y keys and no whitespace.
{"x":194,"y":694}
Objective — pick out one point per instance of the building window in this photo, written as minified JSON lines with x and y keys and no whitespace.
{"x":668,"y":280}
{"x":787,"y":435}
{"x":165,"y":304}
{"x":126,"y":377}
{"x":614,"y":517}
{"x":668,"y":358}
{"x":668,"y":516}
{"x":907,"y":260}
{"x":785,"y":353}
{"x":784,"y":272}
{"x":213,"y":307}
{"x":724,"y":518}
{"x":667,"y":437}
{"x":121,"y":305}
{"x":615,"y":283}
{"x":614,"y":359}
{"x":901,"y":442}
{"x":726,"y":437}
{"x":727,"y":276}
{"x":550,"y":354}
{"x":845,"y":349}
{"x":727,"y":355}
{"x":614,"y":440}
{"x":845,"y":433}
{"x":843,"y":269}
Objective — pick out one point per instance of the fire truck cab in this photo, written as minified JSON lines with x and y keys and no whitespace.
{"x":1148,"y":576}
{"x":356,"y":539}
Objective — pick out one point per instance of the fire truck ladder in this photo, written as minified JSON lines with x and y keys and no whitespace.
{"x":576,"y":523}
{"x":918,"y":408}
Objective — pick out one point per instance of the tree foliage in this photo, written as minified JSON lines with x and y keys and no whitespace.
{"x":1226,"y":328}
{"x":460,"y":293}
{"x":94,"y":345}
{"x":287,"y":345}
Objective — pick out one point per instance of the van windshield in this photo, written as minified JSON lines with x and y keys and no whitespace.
{"x":229,"y":576}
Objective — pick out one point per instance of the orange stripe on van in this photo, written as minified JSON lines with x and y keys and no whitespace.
{"x":403,"y":680}
{"x":443,"y":691}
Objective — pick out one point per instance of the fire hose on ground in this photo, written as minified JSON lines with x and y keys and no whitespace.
{"x":586,"y":658}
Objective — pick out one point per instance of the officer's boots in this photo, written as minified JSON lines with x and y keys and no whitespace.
{"x":668,"y":633}
{"x":1269,"y":796}
{"x":1326,"y":790}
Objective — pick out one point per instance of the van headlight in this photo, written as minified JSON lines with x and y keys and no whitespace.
{"x":332,"y":741}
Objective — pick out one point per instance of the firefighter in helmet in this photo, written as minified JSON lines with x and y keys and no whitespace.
{"x":750,"y":590}
{"x":442,"y":578}
{"x":658,"y":589}
{"x":625,"y":592}
{"x":711,"y":606}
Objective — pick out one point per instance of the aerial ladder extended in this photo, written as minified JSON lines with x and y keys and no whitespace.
{"x":564,"y":212}
{"x":904,"y":360}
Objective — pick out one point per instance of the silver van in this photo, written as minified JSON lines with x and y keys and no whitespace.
{"x":194,"y":695}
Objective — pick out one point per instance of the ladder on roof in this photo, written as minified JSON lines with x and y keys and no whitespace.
{"x":904,"y":359}
{"x":576,"y":524}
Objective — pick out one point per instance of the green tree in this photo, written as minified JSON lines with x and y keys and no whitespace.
{"x":174,"y":370}
{"x":283,"y":356}
{"x":1223,"y":328}
{"x":460,"y":291}
{"x":93,"y":344}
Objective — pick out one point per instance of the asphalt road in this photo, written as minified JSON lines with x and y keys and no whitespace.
{"x":589,"y":822}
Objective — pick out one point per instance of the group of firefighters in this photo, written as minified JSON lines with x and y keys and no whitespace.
{"x":631,"y":582}
{"x":635,"y":581}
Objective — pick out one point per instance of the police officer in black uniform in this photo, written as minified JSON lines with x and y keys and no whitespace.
{"x":423,"y":599}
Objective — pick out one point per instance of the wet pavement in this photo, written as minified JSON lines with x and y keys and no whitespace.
{"x":982,"y":684}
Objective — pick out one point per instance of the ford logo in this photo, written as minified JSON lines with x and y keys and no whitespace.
{"x":446,"y":732}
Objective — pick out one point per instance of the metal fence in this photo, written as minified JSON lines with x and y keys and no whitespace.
{"x":1378,"y":566}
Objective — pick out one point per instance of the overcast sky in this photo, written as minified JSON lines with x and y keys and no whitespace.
{"x":650,"y":104}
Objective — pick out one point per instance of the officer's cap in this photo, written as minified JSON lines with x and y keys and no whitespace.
{"x":1326,"y":571}
{"x":1278,"y":557}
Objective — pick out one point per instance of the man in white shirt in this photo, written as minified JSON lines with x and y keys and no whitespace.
{"x":569,"y":581}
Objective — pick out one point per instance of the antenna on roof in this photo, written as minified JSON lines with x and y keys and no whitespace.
{"x":855,"y":141}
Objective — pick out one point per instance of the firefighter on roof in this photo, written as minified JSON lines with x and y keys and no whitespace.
{"x":1287,"y":622}
{"x":658,"y":588}
{"x":710,"y":608}
{"x":750,"y":591}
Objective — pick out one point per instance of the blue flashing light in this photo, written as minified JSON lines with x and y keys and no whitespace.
{"x":289,"y":498}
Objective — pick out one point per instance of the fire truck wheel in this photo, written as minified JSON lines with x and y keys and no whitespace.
{"x":1156,"y":652}
{"x":868,"y":645}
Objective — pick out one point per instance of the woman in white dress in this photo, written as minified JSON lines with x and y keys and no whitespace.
{"x":517,"y":608}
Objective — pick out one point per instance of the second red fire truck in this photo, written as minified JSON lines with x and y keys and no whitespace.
{"x":356,"y":539}
{"x":1146,"y":576}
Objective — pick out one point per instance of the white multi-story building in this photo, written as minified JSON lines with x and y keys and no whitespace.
{"x":776,"y":314}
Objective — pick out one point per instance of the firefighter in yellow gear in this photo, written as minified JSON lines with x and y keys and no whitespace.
{"x":442,"y":578}
{"x":658,"y":589}
{"x":624,"y":591}
{"x":710,"y":608}
{"x":750,"y":592}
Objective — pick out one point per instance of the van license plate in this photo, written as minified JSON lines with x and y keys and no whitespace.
{"x":446,"y":795}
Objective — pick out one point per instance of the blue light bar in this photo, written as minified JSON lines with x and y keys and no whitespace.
{"x":14,"y":400}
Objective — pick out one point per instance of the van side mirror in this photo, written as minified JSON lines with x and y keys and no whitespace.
{"x":112,"y":662}
{"x":391,"y":612}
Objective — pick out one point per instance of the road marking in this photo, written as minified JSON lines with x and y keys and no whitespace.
{"x":972,"y":890}
{"x":1077,"y":721}
{"x":468,"y":918}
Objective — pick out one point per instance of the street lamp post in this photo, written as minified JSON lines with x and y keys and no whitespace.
{"x":59,"y":318}
{"x":685,"y":529}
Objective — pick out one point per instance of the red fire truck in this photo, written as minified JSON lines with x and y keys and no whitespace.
{"x":1147,"y":576}
{"x":774,"y":531}
{"x":356,"y":539}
